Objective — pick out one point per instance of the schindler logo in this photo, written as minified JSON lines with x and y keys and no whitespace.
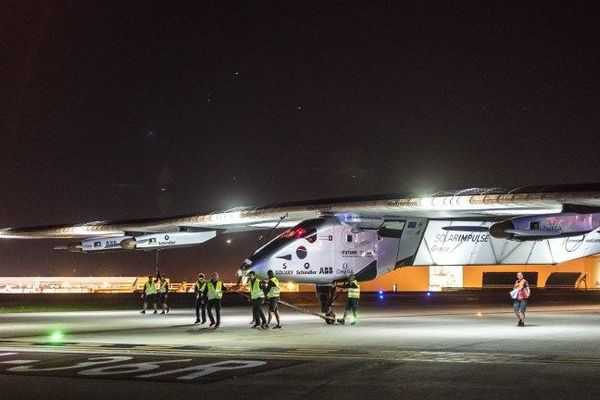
{"x":167,"y":242}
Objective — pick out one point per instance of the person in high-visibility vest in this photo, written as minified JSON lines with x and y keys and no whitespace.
{"x":257,"y":295}
{"x":353,"y":295}
{"x":149,"y":294}
{"x":163,"y":293}
{"x":214,"y":293}
{"x":199,"y":290}
{"x":273,"y":297}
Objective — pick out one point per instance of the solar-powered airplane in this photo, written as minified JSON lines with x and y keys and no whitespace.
{"x":326,"y":240}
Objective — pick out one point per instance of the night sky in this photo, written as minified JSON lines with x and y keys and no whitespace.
{"x":118,"y":109}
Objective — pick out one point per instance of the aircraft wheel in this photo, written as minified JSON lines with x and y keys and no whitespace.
{"x":330,"y":321}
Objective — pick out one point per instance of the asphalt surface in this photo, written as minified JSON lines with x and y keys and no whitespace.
{"x":467,"y":350}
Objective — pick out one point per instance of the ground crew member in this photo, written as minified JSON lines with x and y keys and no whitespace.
{"x":149,"y":294}
{"x":214,"y":293}
{"x":273,"y":297}
{"x":353,"y":295}
{"x":257,"y":295}
{"x":163,"y":293}
{"x":199,"y":290}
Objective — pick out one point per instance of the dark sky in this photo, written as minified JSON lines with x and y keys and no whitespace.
{"x":137,"y":109}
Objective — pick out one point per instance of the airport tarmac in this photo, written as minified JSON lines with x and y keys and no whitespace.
{"x":399,"y":351}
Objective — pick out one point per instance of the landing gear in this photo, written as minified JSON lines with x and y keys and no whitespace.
{"x":326,"y":295}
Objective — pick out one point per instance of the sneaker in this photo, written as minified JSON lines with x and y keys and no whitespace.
{"x":341,"y":321}
{"x":520,"y":323}
{"x":197,"y":320}
{"x":163,"y":312}
{"x":211,"y":324}
{"x":266,"y":327}
{"x":255,"y":327}
{"x":353,"y":323}
{"x":251,"y":322}
{"x":217,"y":325}
{"x":155,"y":312}
{"x":168,"y":309}
{"x":143,"y":312}
{"x":277,"y":327}
{"x":203,"y":322}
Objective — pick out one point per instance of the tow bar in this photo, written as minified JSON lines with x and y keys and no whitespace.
{"x":326,"y":318}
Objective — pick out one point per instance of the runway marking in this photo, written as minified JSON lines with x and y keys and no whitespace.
{"x":138,"y":367}
{"x":296,"y":355}
{"x":13,"y":362}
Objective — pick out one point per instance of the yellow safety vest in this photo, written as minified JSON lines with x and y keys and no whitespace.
{"x":200,"y":286}
{"x":274,"y":291}
{"x":255,"y":290}
{"x":164,"y":286}
{"x":149,"y":288}
{"x":354,"y":293}
{"x":215,"y":291}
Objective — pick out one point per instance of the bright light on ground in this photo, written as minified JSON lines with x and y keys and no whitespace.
{"x":56,"y":336}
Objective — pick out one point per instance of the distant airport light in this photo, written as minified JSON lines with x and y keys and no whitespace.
{"x":381,"y":292}
{"x":428,"y":294}
{"x":380,"y":297}
{"x":228,"y":241}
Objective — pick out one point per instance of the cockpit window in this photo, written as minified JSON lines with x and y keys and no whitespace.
{"x":300,"y":232}
{"x":306,"y":230}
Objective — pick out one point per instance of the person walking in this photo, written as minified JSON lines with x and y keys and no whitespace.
{"x":199,"y":290}
{"x":163,"y":293}
{"x":149,"y":295}
{"x":353,"y":288}
{"x":273,"y":292}
{"x":520,"y":300}
{"x":214,"y":293}
{"x":257,"y":295}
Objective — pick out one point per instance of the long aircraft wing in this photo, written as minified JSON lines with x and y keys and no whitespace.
{"x":475,"y":203}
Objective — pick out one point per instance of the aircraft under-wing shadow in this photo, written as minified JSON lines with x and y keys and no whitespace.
{"x":329,"y":239}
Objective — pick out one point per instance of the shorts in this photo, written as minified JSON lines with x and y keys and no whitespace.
{"x":273,"y":304}
{"x":520,"y":305}
{"x":149,"y":298}
{"x":352,"y":304}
